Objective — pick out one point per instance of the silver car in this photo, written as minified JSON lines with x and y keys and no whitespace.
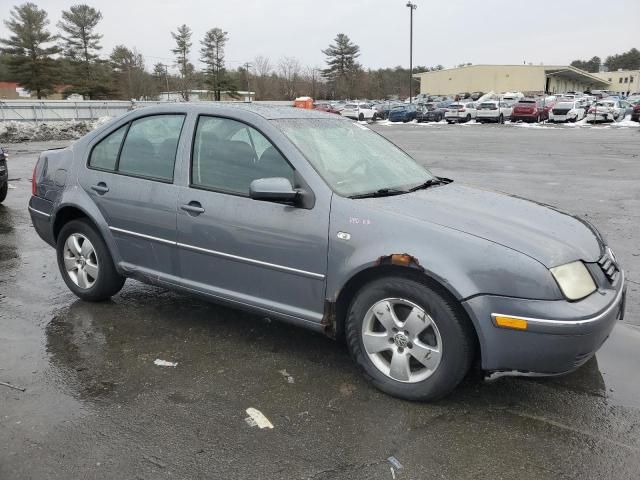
{"x":323,"y":223}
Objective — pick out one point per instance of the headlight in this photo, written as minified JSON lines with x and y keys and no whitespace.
{"x":574,"y":280}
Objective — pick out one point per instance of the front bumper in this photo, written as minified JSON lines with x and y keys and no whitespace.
{"x":560,"y":336}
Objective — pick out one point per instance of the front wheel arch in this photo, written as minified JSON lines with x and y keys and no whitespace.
{"x":368,"y":275}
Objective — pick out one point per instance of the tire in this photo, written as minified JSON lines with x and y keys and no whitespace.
{"x":468,"y":119}
{"x":106,"y":282}
{"x":450,"y":332}
{"x":374,"y":118}
{"x":537,"y":120}
{"x":501,"y":119}
{"x":4,"y":188}
{"x":361,"y":117}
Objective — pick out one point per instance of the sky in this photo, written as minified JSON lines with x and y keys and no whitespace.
{"x":447,"y":32}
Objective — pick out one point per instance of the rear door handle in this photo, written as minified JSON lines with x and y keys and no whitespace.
{"x":193,"y":207}
{"x":101,"y":188}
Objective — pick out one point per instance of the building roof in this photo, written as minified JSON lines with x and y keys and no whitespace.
{"x":550,"y":70}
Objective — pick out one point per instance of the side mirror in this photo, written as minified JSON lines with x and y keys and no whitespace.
{"x":275,"y":189}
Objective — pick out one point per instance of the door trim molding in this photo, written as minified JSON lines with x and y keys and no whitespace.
{"x":260,"y":263}
{"x":142,"y":235}
{"x":252,"y":261}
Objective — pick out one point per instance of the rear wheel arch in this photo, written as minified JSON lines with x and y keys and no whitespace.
{"x":349,"y":290}
{"x":68,"y":213}
{"x":65,"y":215}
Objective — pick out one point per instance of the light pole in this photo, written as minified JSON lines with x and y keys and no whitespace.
{"x":412,"y":7}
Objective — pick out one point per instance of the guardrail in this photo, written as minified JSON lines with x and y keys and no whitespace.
{"x":65,"y":110}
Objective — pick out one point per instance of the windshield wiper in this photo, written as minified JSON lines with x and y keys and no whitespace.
{"x":429,"y":183}
{"x":383,"y":192}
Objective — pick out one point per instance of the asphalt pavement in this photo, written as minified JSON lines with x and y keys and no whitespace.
{"x":96,"y":405}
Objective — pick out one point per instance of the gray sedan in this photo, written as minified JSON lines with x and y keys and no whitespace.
{"x":321,"y":222}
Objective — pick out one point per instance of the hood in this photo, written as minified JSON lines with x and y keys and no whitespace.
{"x":539,"y":231}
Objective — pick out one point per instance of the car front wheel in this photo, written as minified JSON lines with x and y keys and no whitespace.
{"x":411,"y":340}
{"x":85,"y":262}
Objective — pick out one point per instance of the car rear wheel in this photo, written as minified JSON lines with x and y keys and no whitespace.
{"x":411,"y":340}
{"x":361,"y":117}
{"x":85,"y":262}
{"x":501,"y":119}
{"x":4,"y":188}
{"x":468,"y":119}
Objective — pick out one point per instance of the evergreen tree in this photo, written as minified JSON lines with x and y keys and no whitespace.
{"x":81,"y":44}
{"x":212,"y":55}
{"x":626,"y":61}
{"x":342,"y":67}
{"x":592,"y":65}
{"x":131,"y":79}
{"x":29,"y":48}
{"x":181,"y":51}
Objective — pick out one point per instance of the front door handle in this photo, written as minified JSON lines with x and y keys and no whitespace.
{"x":193,"y":207}
{"x":101,"y":188}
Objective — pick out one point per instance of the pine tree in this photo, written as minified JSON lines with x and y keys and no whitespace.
{"x":181,"y":51}
{"x":30,"y":61}
{"x":212,"y":55}
{"x":81,"y":44}
{"x":342,"y":67}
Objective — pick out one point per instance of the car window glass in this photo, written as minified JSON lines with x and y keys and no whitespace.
{"x":228,"y":155}
{"x":150,"y":147}
{"x":105,"y":154}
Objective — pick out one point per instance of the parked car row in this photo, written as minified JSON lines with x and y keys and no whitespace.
{"x":570,"y":107}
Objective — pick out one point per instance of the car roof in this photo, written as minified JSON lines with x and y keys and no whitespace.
{"x":269,"y":112}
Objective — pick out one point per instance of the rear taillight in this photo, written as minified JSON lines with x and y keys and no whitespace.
{"x":34,"y":185}
{"x":462,"y":110}
{"x":592,"y":110}
{"x":445,"y":110}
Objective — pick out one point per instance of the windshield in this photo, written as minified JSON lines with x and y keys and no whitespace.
{"x":351,"y":158}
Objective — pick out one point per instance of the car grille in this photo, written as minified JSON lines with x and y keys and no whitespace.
{"x":609,"y":266}
{"x":560,"y":111}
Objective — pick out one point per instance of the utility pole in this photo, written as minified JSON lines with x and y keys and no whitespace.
{"x":412,"y":7}
{"x":247,"y":66}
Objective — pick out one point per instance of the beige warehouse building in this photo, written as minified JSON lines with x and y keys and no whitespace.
{"x":509,"y":78}
{"x":623,"y":82}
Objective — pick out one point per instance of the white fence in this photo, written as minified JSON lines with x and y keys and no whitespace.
{"x":64,"y":110}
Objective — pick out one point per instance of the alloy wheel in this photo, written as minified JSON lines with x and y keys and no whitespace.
{"x":80,"y":261}
{"x":402,"y":340}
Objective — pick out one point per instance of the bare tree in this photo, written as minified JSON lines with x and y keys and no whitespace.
{"x":263,"y":69}
{"x":289,"y":69}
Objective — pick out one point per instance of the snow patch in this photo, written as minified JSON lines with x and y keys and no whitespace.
{"x":16,"y":132}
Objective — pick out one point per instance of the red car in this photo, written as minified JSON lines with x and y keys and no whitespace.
{"x":531,"y":110}
{"x":325,"y":107}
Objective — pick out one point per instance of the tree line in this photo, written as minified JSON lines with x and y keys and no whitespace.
{"x":626,"y":61}
{"x":43,"y":61}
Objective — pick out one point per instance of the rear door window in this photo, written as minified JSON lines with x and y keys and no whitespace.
{"x":150,"y":147}
{"x":104,"y":155}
